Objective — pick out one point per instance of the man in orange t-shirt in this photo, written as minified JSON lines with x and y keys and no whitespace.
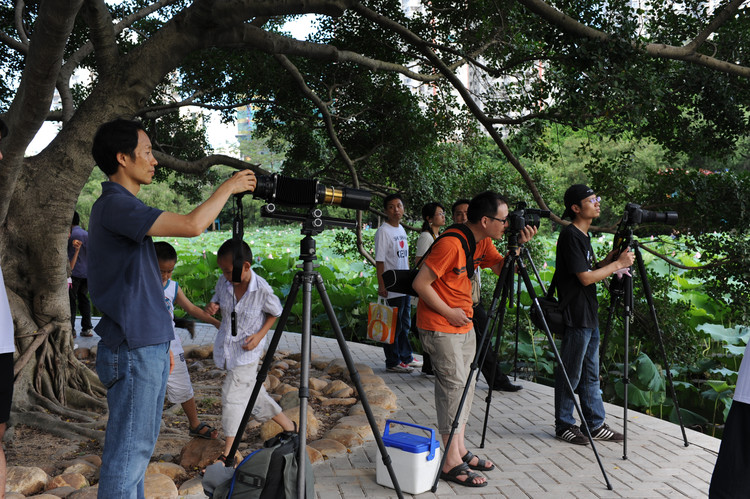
{"x":444,"y":318}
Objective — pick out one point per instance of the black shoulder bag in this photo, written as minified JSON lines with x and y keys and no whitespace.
{"x":553,"y":311}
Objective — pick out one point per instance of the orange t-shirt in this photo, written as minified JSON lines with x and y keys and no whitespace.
{"x":448,"y":260}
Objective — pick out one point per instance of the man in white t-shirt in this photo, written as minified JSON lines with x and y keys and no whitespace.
{"x":7,"y":347}
{"x":392,"y":253}
{"x":731,"y":477}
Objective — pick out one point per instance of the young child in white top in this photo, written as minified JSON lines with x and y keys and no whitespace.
{"x":179,"y":387}
{"x":256,"y":308}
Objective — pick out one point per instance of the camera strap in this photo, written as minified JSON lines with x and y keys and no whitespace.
{"x":238,"y":261}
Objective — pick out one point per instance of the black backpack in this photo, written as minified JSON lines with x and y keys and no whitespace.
{"x":399,"y":281}
{"x":269,"y":473}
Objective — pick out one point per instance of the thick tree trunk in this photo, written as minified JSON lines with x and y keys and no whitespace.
{"x":35,"y":266}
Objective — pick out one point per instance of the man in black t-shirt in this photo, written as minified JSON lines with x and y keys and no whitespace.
{"x":577,"y":275}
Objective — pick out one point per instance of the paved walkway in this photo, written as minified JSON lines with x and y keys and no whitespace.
{"x":520,"y":440}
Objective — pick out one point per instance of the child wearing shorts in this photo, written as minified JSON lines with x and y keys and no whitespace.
{"x":179,"y":387}
{"x":256,"y":308}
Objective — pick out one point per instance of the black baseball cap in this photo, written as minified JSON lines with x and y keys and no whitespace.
{"x":574,"y":195}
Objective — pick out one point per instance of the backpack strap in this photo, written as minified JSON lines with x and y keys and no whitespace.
{"x":468,"y":243}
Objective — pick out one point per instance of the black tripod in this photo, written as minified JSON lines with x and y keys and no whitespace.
{"x":313,"y":223}
{"x":514,"y":262}
{"x":622,"y":289}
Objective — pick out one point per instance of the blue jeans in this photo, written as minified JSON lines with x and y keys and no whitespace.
{"x":136,"y":380}
{"x":400,"y":350}
{"x":580,"y":356}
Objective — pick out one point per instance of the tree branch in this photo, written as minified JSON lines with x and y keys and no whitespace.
{"x":423,"y":47}
{"x":18,"y":18}
{"x":685,"y":53}
{"x":323,"y":107}
{"x":678,"y":265}
{"x":32,"y":101}
{"x":203,"y":164}
{"x":13,"y":43}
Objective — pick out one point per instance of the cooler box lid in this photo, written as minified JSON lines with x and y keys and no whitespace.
{"x":410,"y":442}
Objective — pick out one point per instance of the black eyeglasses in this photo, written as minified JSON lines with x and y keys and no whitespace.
{"x":501,"y":220}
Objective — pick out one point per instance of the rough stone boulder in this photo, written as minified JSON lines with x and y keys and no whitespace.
{"x":158,"y":486}
{"x":328,"y":448}
{"x":200,"y":452}
{"x":26,"y":480}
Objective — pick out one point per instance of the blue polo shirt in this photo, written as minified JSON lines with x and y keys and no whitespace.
{"x":123,"y":272}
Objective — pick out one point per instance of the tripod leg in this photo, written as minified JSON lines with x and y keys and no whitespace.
{"x":265,"y":367}
{"x":304,"y":380}
{"x":535,"y":303}
{"x":354,"y":375}
{"x":652,"y":309}
{"x":626,"y":315}
{"x":497,"y":326}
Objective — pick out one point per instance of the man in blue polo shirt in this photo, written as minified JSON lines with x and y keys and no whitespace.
{"x":125,"y":285}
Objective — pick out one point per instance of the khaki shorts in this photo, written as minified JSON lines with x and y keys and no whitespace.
{"x":451,"y":356}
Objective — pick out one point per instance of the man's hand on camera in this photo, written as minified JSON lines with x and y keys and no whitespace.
{"x":526,"y":234}
{"x":242,"y":181}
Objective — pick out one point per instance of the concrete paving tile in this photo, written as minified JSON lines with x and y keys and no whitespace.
{"x":520,"y":440}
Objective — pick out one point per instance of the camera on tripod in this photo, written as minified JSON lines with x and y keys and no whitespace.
{"x":635,"y":215}
{"x":307,"y":193}
{"x":521,"y":217}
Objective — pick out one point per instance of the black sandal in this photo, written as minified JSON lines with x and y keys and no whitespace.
{"x":210,"y":432}
{"x":481,"y":464}
{"x":462,"y":470}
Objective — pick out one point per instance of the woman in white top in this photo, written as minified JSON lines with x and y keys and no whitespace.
{"x":433,"y":218}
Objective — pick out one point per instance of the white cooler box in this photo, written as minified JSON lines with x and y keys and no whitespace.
{"x":415,"y":459}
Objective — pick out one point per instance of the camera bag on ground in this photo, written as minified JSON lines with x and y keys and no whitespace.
{"x":400,"y":281}
{"x":554,"y":311}
{"x":267,"y":473}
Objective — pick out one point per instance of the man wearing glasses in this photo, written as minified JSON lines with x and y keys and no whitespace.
{"x":577,"y":275}
{"x":445,"y":327}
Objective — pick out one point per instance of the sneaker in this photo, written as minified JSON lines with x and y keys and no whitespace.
{"x":604,"y":432}
{"x":415,"y":363}
{"x":87,"y":333}
{"x":572,"y":435}
{"x":400,"y":368}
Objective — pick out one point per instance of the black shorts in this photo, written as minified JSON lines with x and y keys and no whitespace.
{"x":6,"y":385}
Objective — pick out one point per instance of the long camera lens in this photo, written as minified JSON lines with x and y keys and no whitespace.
{"x":308,"y":192}
{"x":635,"y":215}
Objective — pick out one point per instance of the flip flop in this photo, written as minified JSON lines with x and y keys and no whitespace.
{"x":210,"y":432}
{"x":462,"y":470}
{"x":481,"y":464}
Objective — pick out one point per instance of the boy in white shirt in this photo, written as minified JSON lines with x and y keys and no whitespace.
{"x":392,"y":253}
{"x":256,"y":308}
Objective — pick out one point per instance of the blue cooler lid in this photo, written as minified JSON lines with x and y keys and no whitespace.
{"x":410,"y":442}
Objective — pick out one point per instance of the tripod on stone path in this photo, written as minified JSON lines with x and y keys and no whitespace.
{"x":313,"y":223}
{"x":514,"y":262}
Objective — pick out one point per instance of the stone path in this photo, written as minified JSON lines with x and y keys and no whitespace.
{"x":520,"y":440}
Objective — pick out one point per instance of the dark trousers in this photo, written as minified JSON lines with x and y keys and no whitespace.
{"x":79,"y":300}
{"x":731,"y":477}
{"x":400,"y":350}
